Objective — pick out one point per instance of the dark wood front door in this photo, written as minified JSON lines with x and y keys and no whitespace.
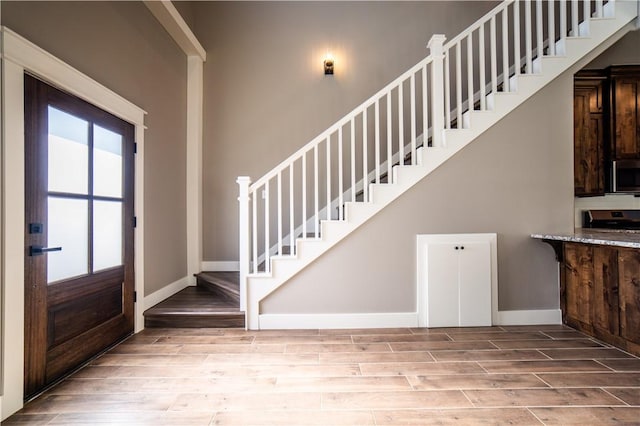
{"x":79,"y":277}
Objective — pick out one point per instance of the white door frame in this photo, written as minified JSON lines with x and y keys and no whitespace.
{"x":20,"y":56}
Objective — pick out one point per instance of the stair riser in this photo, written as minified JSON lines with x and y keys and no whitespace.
{"x":190,"y":321}
{"x":219,"y":291}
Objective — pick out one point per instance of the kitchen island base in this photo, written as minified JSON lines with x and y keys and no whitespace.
{"x":600,"y":289}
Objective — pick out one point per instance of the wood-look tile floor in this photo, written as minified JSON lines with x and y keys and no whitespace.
{"x":529,"y":375}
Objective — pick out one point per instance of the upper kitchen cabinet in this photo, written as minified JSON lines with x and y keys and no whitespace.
{"x":589,"y":111}
{"x":625,"y":111}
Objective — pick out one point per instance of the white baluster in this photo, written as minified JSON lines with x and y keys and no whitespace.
{"x":376,"y":146}
{"x":389,"y":133}
{"x":267,"y":253}
{"x":494,"y":57}
{"x":575,"y":30}
{"x":316,"y":217}
{"x":437,"y":85}
{"x":599,"y":9}
{"x":458,"y":86}
{"x":505,"y":51}
{"x":413,"y":118}
{"x":340,"y":179}
{"x":425,"y":111}
{"x":353,"y":160}
{"x":329,"y":177}
{"x":483,"y":79}
{"x":539,"y":34}
{"x":447,"y":90}
{"x":401,"y":122}
{"x":292,"y":237}
{"x":243,"y":219}
{"x":470,"y":74}
{"x":279,"y":182}
{"x":551,"y":29}
{"x":254,"y":231}
{"x":516,"y":37}
{"x":527,"y":36}
{"x":563,"y":22}
{"x":304,"y":194}
{"x":586,"y":18}
{"x":365,"y":167}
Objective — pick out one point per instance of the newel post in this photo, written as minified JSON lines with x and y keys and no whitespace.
{"x":435,"y":47}
{"x":243,"y":243}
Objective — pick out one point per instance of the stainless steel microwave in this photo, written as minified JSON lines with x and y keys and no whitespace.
{"x":625,"y":176}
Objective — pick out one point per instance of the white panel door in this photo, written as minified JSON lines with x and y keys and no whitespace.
{"x":442,"y":285}
{"x":475,"y":284}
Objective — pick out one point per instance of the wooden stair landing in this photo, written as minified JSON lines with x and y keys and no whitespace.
{"x":213,"y":302}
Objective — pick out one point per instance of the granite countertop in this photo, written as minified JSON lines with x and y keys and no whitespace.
{"x":607,"y":237}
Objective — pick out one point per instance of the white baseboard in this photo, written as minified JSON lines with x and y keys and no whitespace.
{"x":332,"y":321}
{"x":165,"y":292}
{"x":221,"y":266}
{"x":392,"y":320}
{"x":532,"y":317}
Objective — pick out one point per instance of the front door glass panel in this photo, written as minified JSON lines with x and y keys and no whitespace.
{"x":107,"y":163}
{"x":68,"y":227}
{"x":107,"y":234}
{"x":68,"y":153}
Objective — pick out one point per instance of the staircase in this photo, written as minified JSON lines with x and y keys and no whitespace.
{"x":350,"y":172}
{"x":212,"y":303}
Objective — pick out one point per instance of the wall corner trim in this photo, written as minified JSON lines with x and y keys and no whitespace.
{"x":193,"y":188}
{"x":169,"y":17}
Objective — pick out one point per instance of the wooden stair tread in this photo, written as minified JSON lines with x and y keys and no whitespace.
{"x":195,"y":307}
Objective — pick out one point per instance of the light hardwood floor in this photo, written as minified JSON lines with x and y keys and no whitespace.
{"x":494,"y":375}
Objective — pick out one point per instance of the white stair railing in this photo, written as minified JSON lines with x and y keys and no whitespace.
{"x":438,"y":93}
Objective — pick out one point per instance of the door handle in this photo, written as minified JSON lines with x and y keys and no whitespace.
{"x":38,"y":250}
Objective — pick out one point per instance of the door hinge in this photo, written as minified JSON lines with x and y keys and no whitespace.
{"x":135,"y":221}
{"x":135,"y":296}
{"x":135,"y":147}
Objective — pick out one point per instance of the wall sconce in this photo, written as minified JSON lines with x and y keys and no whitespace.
{"x":328,"y":65}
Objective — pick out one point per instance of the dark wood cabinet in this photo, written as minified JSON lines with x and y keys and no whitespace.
{"x":604,"y":298}
{"x":589,"y":106}
{"x":629,"y":265}
{"x":600,"y":293}
{"x":578,"y":261}
{"x":606,"y":124}
{"x":625,"y":111}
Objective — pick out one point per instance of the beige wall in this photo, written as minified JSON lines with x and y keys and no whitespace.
{"x":514,"y":180}
{"x":265,"y":93}
{"x":624,"y":52}
{"x":123,"y":47}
